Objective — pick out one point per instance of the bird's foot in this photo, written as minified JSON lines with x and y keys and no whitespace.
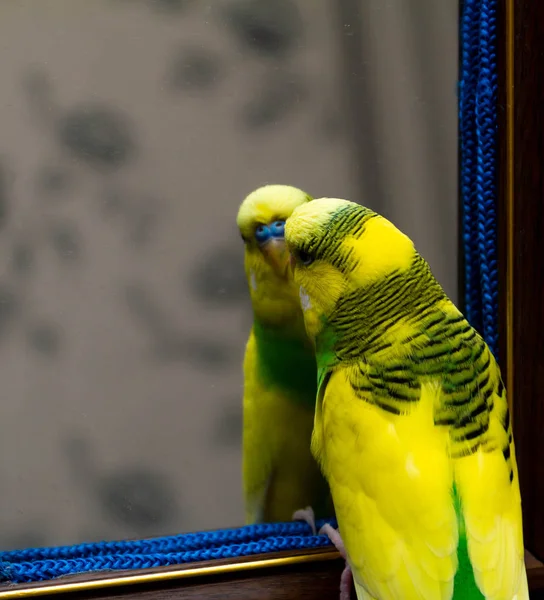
{"x":335,"y":538}
{"x":347,"y":576}
{"x":345,"y":583}
{"x":307,"y":515}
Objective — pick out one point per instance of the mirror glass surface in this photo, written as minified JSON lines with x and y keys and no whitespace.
{"x":131,"y":132}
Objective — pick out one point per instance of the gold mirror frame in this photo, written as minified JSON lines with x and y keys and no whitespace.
{"x":325,"y":566}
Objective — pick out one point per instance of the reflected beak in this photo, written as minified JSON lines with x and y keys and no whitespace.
{"x":276,"y":255}
{"x":292,"y":264}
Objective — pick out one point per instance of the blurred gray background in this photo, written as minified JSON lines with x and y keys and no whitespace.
{"x":130,"y":132}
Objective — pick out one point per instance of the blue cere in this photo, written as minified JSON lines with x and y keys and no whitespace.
{"x":262,"y":234}
{"x":277,"y":228}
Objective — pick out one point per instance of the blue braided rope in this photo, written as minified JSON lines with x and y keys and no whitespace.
{"x":41,"y":564}
{"x":478,"y":132}
{"x":486,"y":126}
{"x":467,"y":118}
{"x":477,"y":113}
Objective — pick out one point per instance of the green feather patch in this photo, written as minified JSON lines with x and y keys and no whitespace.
{"x":287,"y":362}
{"x":465,"y":587}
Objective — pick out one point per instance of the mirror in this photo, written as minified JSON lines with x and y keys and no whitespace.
{"x":131,"y":132}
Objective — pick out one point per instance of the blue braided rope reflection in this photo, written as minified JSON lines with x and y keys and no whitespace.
{"x":45,"y":569}
{"x":41,"y":564}
{"x":188,"y":541}
{"x":478,"y":132}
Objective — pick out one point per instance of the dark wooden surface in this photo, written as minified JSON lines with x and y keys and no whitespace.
{"x":306,"y":582}
{"x":528,"y":260}
{"x":317,"y":580}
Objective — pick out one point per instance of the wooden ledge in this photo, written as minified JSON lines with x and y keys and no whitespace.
{"x":304,"y":575}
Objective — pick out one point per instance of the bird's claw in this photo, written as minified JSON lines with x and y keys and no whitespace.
{"x":347,"y":576}
{"x":345,"y":583}
{"x":307,"y":515}
{"x":335,"y":538}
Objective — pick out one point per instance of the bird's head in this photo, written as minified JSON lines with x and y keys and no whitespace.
{"x":338,"y":247}
{"x":261,"y":221}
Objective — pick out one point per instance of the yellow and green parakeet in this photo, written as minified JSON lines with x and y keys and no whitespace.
{"x":280,"y":475}
{"x":412,"y":427}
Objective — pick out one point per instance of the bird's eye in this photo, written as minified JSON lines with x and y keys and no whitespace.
{"x":305,"y":257}
{"x":277,"y":228}
{"x":262,"y":233}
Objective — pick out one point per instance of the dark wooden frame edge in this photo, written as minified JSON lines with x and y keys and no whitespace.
{"x":521,"y":245}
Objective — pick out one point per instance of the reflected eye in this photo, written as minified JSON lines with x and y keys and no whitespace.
{"x":277,"y":228}
{"x":305,"y":257}
{"x":262,"y":233}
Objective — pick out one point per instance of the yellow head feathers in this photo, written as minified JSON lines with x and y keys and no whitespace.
{"x":266,"y":205}
{"x":261,"y":220}
{"x":338,"y":247}
{"x":361,"y":244}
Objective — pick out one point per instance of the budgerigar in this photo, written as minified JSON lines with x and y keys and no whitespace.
{"x":412,"y":426}
{"x":281,"y":478}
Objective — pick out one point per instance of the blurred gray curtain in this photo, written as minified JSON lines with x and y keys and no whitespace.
{"x":400,"y":61}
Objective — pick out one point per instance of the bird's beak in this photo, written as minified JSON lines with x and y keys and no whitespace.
{"x":277,"y":256}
